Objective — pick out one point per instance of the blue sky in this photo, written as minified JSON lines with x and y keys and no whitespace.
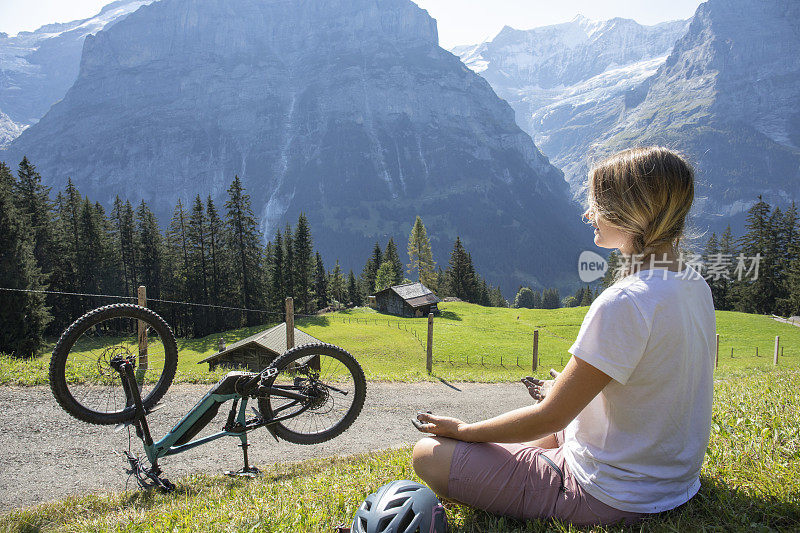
{"x":459,"y":21}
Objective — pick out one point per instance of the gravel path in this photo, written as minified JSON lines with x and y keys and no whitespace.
{"x":47,"y":455}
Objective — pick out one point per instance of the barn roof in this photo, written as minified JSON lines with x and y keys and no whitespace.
{"x":415,"y":294}
{"x":273,"y":339}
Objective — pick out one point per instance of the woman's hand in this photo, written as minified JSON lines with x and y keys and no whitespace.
{"x":441,"y":426}
{"x":539,"y":388}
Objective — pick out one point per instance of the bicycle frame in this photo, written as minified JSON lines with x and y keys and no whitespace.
{"x":178,"y":439}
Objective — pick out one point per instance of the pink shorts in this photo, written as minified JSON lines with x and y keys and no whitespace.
{"x":517,"y":480}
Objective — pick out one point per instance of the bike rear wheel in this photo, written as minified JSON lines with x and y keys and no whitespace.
{"x":81,"y":377}
{"x":333,"y":381}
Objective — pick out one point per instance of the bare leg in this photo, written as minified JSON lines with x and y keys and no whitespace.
{"x":431,"y":458}
{"x":548,"y":442}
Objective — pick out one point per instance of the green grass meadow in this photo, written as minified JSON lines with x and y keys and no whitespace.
{"x":750,"y":482}
{"x":471,"y":343}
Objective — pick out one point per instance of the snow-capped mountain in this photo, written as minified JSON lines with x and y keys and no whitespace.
{"x":347,"y":110}
{"x":568,"y":82}
{"x":37,"y":68}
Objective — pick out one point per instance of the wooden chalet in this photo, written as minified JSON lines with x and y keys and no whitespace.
{"x":408,"y":300}
{"x":256,"y":352}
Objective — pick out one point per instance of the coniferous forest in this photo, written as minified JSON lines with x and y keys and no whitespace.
{"x":211,"y":257}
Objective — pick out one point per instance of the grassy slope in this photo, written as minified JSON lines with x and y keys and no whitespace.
{"x":750,"y":482}
{"x":388,"y":350}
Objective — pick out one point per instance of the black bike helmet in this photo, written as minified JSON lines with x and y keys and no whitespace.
{"x":401,"y":506}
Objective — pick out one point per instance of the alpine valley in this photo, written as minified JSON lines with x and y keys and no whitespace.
{"x":723,"y":87}
{"x":347,"y":110}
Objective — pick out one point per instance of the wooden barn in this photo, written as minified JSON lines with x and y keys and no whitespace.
{"x":256,"y":352}
{"x":409,"y":300}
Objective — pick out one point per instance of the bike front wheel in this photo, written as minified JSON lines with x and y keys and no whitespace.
{"x":333,"y":383}
{"x":81,"y":377}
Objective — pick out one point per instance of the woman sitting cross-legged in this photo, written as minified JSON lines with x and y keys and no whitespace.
{"x":621,"y":432}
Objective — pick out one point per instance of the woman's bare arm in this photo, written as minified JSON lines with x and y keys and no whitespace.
{"x":574,"y":388}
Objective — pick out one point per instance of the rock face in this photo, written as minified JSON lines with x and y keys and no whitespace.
{"x":727,"y":94}
{"x":568,"y":82}
{"x":37,"y":68}
{"x":345,"y":109}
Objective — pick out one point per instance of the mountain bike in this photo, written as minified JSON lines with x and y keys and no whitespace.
{"x":113,"y":365}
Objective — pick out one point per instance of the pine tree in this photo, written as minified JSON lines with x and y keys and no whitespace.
{"x":303,"y":263}
{"x":551,"y":299}
{"x":23,"y":315}
{"x":64,"y":277}
{"x":244,"y":239}
{"x":460,"y":274}
{"x":392,"y":257}
{"x":385,"y":276}
{"x":353,"y":292}
{"x":420,"y":257}
{"x":197,"y":275}
{"x":89,"y":256}
{"x":277,"y":276}
{"x":757,"y":295}
{"x":320,"y":283}
{"x":33,"y":202}
{"x":176,"y":276}
{"x":289,"y":262}
{"x":150,"y":250}
{"x":586,"y":297}
{"x":537,"y":300}
{"x":217,"y":261}
{"x":336,"y":285}
{"x":370,"y":272}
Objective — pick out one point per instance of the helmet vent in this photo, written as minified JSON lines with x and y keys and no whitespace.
{"x":384,"y":523}
{"x":367,"y":505}
{"x":397,"y":502}
{"x":406,"y":521}
{"x":363,"y":522}
{"x":407,"y":488}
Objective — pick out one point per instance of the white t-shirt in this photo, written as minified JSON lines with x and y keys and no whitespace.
{"x":639,"y":444}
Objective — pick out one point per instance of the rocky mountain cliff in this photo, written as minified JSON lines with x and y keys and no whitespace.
{"x":37,"y":68}
{"x":347,"y":110}
{"x":568,"y":82}
{"x":727,"y":94}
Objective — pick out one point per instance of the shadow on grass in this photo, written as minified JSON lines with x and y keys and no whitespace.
{"x":715,"y":507}
{"x":450,"y":315}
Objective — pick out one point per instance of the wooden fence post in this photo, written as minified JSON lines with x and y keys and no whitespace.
{"x":141,"y":368}
{"x":535,"y":363}
{"x":777,"y":350}
{"x":289,"y":323}
{"x":716,"y":355}
{"x":429,"y":350}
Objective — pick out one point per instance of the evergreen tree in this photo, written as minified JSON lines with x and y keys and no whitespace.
{"x":277,"y":267}
{"x":757,"y":295}
{"x":614,"y":262}
{"x":320,"y":283}
{"x":304,"y":264}
{"x":460,"y":274}
{"x":64,"y":277}
{"x":129,"y":246}
{"x":483,"y":293}
{"x":550,"y":299}
{"x":23,"y":315}
{"x":353,"y":291}
{"x":216,"y":257}
{"x":420,"y":257}
{"x":90,"y":255}
{"x":336,"y":285}
{"x":587,"y":298}
{"x":537,"y":300}
{"x":524,"y":298}
{"x":392,"y":257}
{"x":289,"y":262}
{"x":197,"y":275}
{"x":244,"y":240}
{"x":385,"y":276}
{"x":150,"y":250}
{"x":175,"y":277}
{"x":497,"y":298}
{"x":33,"y":202}
{"x":370,"y":272}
